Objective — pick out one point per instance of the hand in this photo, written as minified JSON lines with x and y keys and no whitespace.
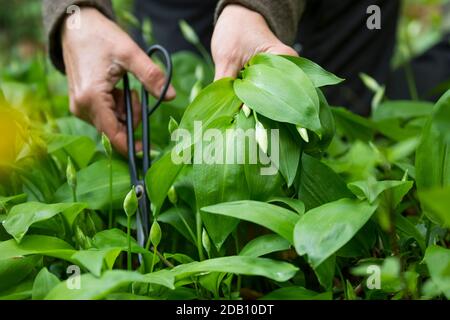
{"x":96,"y":57}
{"x":240,"y":34}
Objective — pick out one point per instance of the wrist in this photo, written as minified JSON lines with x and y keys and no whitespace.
{"x":241,"y":14}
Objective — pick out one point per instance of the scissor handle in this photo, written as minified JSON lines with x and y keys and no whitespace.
{"x":169,"y":69}
{"x":143,"y":223}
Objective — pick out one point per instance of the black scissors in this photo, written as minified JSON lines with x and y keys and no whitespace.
{"x":143,"y":215}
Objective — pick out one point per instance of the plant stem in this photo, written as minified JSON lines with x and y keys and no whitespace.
{"x":164,"y":260}
{"x":129,"y":243}
{"x":408,"y":69}
{"x":428,"y":234}
{"x":74,"y":194}
{"x":191,"y":233}
{"x":199,"y":224}
{"x":155,"y":250}
{"x":237,"y":247}
{"x":110,"y":221}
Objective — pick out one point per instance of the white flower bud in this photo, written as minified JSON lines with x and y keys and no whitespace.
{"x":261,"y":136}
{"x":247,"y":110}
{"x":303,"y":133}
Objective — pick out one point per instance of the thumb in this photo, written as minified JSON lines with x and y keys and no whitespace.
{"x":282,"y":49}
{"x":226,"y":69}
{"x":148,"y":73}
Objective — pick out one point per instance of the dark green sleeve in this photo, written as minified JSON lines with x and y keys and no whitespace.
{"x":282,"y":16}
{"x":54,"y":13}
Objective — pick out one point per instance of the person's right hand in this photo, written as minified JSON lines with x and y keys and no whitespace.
{"x":96,"y":56}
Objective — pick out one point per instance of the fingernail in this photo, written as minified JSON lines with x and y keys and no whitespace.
{"x":171,"y":93}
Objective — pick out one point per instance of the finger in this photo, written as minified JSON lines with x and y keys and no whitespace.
{"x":226,"y":69}
{"x":121,"y":112}
{"x":137,"y":109}
{"x":120,"y":109}
{"x":104,"y":119}
{"x":282,"y":49}
{"x":151,"y":75}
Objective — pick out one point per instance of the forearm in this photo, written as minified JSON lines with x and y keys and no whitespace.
{"x":282,"y":16}
{"x":54,"y":13}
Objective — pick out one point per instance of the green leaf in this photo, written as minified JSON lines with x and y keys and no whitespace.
{"x":433,"y":152}
{"x":8,"y":201}
{"x":406,"y":227}
{"x":228,"y":184}
{"x":319,"y":184}
{"x":14,"y":270}
{"x":296,"y":293}
{"x":93,"y":185}
{"x":441,"y":116}
{"x":93,"y":288}
{"x":295,"y":204}
{"x":35,"y":244}
{"x":182,"y":219}
{"x":290,"y":151}
{"x":261,"y":187}
{"x":372,"y":189}
{"x":80,"y":149}
{"x":217,"y":101}
{"x":277,"y":219}
{"x":108,"y":245}
{"x":325,"y":272}
{"x":319,"y":76}
{"x":438,"y":263}
{"x":437,"y":202}
{"x":94,"y":259}
{"x":353,"y":126}
{"x":115,"y":238}
{"x":362,"y":243}
{"x":402,"y":110}
{"x":160,"y":179}
{"x":283,"y":94}
{"x":324,"y":230}
{"x":44,"y":282}
{"x":20,"y":292}
{"x":317,"y":144}
{"x":23,"y":216}
{"x":250,"y":266}
{"x":264,"y":245}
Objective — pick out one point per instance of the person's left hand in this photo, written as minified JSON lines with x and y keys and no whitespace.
{"x":240,"y":34}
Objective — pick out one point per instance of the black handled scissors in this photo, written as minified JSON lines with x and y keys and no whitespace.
{"x":143,"y":215}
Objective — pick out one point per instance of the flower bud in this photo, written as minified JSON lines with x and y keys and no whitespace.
{"x":172,"y":195}
{"x":189,"y":33}
{"x":106,"y":145}
{"x":71,"y":174}
{"x":173,"y":125}
{"x":199,"y":72}
{"x":247,"y":110}
{"x":195,"y":90}
{"x":206,"y":242}
{"x":370,"y":82}
{"x":303,"y":133}
{"x":155,"y":234}
{"x":130,"y":203}
{"x":261,"y":136}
